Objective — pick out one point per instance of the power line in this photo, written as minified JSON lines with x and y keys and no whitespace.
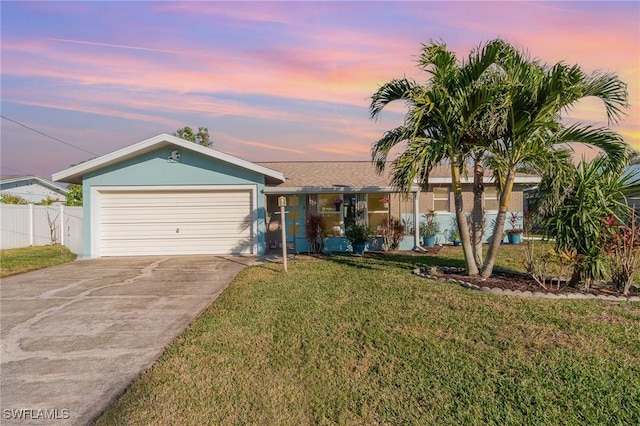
{"x":20,"y":172}
{"x":46,"y":135}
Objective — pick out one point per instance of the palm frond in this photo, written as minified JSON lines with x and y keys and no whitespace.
{"x":612,"y":91}
{"x":399,"y":89}
{"x":606,"y":139}
{"x":381,"y":149}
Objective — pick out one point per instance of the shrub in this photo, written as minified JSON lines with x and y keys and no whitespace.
{"x":315,"y":233}
{"x":578,"y":223}
{"x":8,"y":198}
{"x":623,"y":252}
{"x":392,"y":234}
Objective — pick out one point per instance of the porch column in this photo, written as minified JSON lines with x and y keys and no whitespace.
{"x":416,"y":222}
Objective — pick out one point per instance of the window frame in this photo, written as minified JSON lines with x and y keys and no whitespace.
{"x":446,"y":199}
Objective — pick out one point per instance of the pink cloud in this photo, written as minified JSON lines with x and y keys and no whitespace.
{"x":148,"y":77}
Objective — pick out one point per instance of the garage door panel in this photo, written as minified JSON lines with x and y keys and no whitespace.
{"x":145,"y":222}
{"x":150,"y":205}
{"x":170,"y":217}
{"x":170,"y":198}
{"x":176,"y":232}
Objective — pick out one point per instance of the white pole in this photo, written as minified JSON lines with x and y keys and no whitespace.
{"x":282,"y":202}
{"x":416,"y":222}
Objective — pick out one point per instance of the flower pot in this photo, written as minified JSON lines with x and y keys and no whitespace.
{"x":515,"y":238}
{"x":386,"y":205}
{"x":429,"y":241}
{"x":358,"y":248}
{"x":457,"y":242}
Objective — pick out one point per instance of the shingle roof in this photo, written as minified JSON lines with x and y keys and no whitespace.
{"x":354,"y":174}
{"x":329,"y":173}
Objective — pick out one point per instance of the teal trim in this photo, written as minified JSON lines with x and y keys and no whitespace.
{"x":154,"y":168}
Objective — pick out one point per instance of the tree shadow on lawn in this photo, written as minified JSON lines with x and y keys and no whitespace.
{"x":402,"y":260}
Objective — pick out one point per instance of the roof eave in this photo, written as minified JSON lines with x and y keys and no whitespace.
{"x":74,"y":174}
{"x":487,"y":179}
{"x":41,"y":181}
{"x":332,"y":189}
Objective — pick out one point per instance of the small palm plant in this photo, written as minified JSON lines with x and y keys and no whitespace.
{"x":579,"y":222}
{"x":429,"y":228}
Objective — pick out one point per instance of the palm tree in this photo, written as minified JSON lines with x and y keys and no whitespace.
{"x":438,"y":122}
{"x":536,"y":97}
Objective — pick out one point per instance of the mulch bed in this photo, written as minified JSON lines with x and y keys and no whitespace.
{"x":509,"y":280}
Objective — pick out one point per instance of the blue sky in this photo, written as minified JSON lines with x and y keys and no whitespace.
{"x":271,"y":80}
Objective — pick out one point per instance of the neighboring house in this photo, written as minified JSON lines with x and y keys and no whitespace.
{"x":166,"y":195}
{"x":34,"y":189}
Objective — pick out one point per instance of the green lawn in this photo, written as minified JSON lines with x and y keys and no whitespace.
{"x":349,"y":340}
{"x":17,"y":261}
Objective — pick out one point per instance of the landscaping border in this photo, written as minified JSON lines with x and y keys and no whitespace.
{"x":536,"y":294}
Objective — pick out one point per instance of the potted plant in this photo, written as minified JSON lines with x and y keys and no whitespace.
{"x":385,"y":202}
{"x":514,"y":234}
{"x":337,"y":203}
{"x":429,"y":229}
{"x":358,"y":234}
{"x":455,"y":237}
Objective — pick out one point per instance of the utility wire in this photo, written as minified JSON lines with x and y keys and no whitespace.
{"x":20,"y":172}
{"x":45,"y":135}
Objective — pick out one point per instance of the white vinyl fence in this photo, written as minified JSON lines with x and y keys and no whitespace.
{"x":31,"y":225}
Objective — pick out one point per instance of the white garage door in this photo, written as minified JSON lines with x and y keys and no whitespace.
{"x":175,"y":222}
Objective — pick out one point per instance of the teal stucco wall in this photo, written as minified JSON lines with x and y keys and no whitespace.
{"x":154,"y":169}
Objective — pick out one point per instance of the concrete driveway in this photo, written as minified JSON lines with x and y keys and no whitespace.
{"x":75,"y":336}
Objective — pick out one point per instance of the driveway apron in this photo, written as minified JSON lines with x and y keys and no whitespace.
{"x":75,"y":336}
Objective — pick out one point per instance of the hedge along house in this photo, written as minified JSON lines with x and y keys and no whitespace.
{"x":165,"y":195}
{"x":168,"y":196}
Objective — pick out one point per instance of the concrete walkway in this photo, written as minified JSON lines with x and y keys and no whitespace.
{"x":75,"y":336}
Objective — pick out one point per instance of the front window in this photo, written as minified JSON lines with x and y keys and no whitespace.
{"x":441,"y":199}
{"x":378,"y":214}
{"x":330,"y":207}
{"x":344,"y":209}
{"x":491,"y":202}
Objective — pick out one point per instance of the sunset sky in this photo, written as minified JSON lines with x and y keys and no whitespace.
{"x":273,"y":81}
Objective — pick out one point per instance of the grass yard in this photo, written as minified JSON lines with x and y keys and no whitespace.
{"x":19,"y":260}
{"x":349,"y":340}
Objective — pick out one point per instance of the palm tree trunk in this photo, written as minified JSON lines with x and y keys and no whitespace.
{"x":478,"y":213}
{"x":498,"y":229}
{"x":461,"y":218}
{"x":576,"y":276}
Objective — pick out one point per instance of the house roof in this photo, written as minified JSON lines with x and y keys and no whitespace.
{"x":74,"y":174}
{"x":329,"y":176}
{"x":27,"y":178}
{"x":354,"y":176}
